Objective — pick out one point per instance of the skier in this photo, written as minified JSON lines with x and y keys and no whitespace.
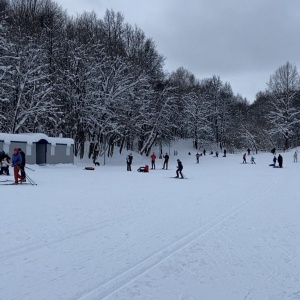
{"x":166,"y":161}
{"x":153,"y":158}
{"x":244,"y":158}
{"x":224,"y":153}
{"x":179,"y":169}
{"x":197,"y":158}
{"x":217,"y":153}
{"x":129,"y":161}
{"x":95,"y":153}
{"x":273,"y":151}
{"x":204,"y":151}
{"x":22,"y":167}
{"x":5,"y":165}
{"x":249,"y":151}
{"x":252,"y":160}
{"x":16,"y":164}
{"x":296,"y":156}
{"x":274,"y":160}
{"x":280,"y":160}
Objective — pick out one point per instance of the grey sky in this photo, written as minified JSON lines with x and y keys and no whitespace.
{"x":242,"y":41}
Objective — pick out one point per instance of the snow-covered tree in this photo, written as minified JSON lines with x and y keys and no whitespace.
{"x":284,"y":86}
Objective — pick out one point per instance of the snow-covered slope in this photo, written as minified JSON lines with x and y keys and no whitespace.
{"x":231,"y":231}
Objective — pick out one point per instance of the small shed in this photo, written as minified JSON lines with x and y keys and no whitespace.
{"x":39,"y":148}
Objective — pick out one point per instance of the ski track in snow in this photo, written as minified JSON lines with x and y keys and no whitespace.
{"x":122,"y":279}
{"x":208,"y":230}
{"x":14,"y":252}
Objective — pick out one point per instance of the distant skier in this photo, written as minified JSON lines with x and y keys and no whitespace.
{"x":252,"y":160}
{"x":224,"y":153}
{"x":153,"y":158}
{"x":249,"y":151}
{"x":273,"y":151}
{"x":274,"y":160}
{"x":166,"y":161}
{"x":197,"y":157}
{"x":296,"y":156}
{"x":129,"y":161}
{"x":179,"y":169}
{"x":244,"y":158}
{"x":217,"y":153}
{"x":280,"y":160}
{"x":204,"y":151}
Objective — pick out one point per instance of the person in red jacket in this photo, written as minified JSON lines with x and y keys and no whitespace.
{"x":153,"y":158}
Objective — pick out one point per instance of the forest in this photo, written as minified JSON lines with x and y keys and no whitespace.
{"x":103,"y":81}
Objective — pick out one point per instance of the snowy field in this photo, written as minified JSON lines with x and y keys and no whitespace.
{"x":228,"y":232}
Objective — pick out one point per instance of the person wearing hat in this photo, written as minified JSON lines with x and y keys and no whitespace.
{"x":22,"y":167}
{"x":179,"y":169}
{"x":16,"y":164}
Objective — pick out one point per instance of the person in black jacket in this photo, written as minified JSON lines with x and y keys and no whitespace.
{"x":280,"y":161}
{"x":22,"y":166}
{"x":166,"y":161}
{"x":179,"y":169}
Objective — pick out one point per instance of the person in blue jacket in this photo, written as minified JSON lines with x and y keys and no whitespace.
{"x":16,"y":164}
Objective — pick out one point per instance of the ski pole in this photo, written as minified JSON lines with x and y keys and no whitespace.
{"x":30,"y":180}
{"x":29,"y":169}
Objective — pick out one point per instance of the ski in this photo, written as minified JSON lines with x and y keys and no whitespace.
{"x":12,"y":183}
{"x":6,"y":180}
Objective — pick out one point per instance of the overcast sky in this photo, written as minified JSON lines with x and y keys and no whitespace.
{"x":242,"y":41}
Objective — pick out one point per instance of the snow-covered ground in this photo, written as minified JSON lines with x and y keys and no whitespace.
{"x":228,"y":232}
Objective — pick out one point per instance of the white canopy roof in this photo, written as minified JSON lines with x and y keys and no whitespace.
{"x":31,"y":138}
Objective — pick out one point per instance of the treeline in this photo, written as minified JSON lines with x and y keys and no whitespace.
{"x":103,"y":80}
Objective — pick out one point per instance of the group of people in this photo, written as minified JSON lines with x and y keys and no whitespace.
{"x":252,"y":159}
{"x":153,"y":159}
{"x":278,"y":159}
{"x":18,"y":162}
